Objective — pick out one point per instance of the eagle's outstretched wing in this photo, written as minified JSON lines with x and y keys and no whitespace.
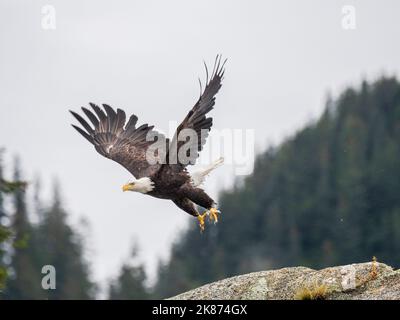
{"x":125,"y":144}
{"x":197,"y":119}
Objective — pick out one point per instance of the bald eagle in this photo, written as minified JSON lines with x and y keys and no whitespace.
{"x":163,"y":174}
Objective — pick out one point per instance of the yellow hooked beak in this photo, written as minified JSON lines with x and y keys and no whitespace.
{"x":127,"y":187}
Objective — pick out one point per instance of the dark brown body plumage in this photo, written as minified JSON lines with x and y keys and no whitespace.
{"x":128,"y":145}
{"x":180,"y":190}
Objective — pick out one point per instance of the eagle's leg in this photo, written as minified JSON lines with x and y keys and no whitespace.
{"x":198,"y":196}
{"x":188,"y":206}
{"x":201,"y":218}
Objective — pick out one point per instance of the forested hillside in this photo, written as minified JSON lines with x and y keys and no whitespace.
{"x":34,"y":236}
{"x":328,"y":195}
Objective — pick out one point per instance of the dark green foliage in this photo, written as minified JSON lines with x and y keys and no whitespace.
{"x":62,"y":248}
{"x":130,"y":283}
{"x":328,"y":195}
{"x":26,"y":281}
{"x":11,"y":186}
{"x":6,"y":187}
{"x":51,"y":241}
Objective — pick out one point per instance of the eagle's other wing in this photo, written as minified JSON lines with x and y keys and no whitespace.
{"x":197,"y":119}
{"x":125,"y":144}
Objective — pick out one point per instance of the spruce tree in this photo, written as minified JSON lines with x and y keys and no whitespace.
{"x":25,"y":279}
{"x":130,"y":283}
{"x":62,"y":248}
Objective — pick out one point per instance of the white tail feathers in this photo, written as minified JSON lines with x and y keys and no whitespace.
{"x":199,"y":176}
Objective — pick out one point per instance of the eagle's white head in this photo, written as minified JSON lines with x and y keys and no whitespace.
{"x":142,"y":185}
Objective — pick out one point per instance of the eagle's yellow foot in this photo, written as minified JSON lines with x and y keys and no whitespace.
{"x":201,"y":218}
{"x":213,"y":214}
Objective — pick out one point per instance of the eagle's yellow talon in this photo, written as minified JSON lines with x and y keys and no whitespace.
{"x":213,"y":214}
{"x":201,"y":218}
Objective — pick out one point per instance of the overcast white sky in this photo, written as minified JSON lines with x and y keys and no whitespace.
{"x":145,"y":57}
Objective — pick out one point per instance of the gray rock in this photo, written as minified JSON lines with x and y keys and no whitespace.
{"x":367,"y":281}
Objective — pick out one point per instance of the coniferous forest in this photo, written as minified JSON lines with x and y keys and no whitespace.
{"x":327,"y":195}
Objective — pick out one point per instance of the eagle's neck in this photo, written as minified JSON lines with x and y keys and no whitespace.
{"x":143,"y":185}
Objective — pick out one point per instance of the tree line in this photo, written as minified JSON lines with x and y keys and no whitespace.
{"x":38,"y":235}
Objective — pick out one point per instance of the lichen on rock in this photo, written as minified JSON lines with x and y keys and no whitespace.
{"x":370,"y":281}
